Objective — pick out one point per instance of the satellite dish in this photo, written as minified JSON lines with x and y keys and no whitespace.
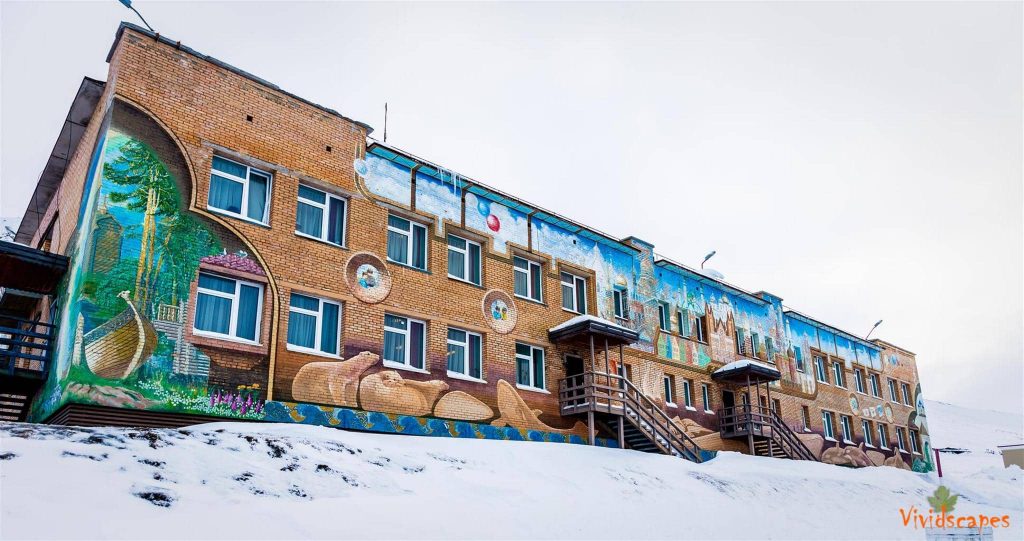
{"x":713,"y":274}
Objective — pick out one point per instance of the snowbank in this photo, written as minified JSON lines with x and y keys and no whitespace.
{"x":260,"y":481}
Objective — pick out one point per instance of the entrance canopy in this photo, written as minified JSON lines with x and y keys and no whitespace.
{"x":746,"y":371}
{"x":28,"y":269}
{"x":587,"y":326}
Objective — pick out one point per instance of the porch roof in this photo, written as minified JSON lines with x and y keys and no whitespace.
{"x":737,"y":372}
{"x":586,"y":325}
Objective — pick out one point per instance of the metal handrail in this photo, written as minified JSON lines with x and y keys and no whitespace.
{"x":617,"y":395}
{"x":24,"y":345}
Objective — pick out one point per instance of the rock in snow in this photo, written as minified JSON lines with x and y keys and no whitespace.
{"x":260,"y":481}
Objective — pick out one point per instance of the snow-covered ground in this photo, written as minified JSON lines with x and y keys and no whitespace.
{"x":249,"y":481}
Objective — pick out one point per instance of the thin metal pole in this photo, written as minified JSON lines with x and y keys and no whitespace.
{"x":747,"y":407}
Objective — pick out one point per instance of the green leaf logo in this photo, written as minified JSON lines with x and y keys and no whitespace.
{"x":943,"y":501}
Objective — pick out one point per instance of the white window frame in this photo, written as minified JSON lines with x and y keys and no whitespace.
{"x":234,"y":297}
{"x":532,"y":385}
{"x":410,"y":244}
{"x":664,"y":319}
{"x":893,"y":395}
{"x":700,"y":326}
{"x":620,"y":297}
{"x":901,"y":439}
{"x":865,"y":425}
{"x":846,"y":423}
{"x":828,"y":425}
{"x":820,"y":372}
{"x":528,"y":271}
{"x":875,"y":383}
{"x":688,"y":394}
{"x":837,"y":373}
{"x":798,"y":360}
{"x":466,"y":264}
{"x":883,"y":436}
{"x":858,"y":378}
{"x":325,"y":208}
{"x":915,"y":441}
{"x":669,"y":389}
{"x":406,"y":364}
{"x":574,"y":284}
{"x":465,"y":345}
{"x":319,"y":314}
{"x":705,"y":392}
{"x":244,"y":214}
{"x":905,"y":391}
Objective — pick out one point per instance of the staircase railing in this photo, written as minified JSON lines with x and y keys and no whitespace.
{"x":616,"y":395}
{"x":24,"y":345}
{"x":761,"y":421}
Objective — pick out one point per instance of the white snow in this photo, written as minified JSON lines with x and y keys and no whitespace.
{"x":743,"y":363}
{"x":586,"y":317}
{"x":266,"y":481}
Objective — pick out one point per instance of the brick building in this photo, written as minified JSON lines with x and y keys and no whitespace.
{"x":203,"y":244}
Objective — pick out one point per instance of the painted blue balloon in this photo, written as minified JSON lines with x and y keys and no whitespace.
{"x":483,"y":206}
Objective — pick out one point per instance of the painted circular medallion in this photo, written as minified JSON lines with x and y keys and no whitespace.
{"x":499,"y":310}
{"x":367,"y":277}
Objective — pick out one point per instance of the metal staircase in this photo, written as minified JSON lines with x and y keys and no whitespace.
{"x":24,"y":361}
{"x":765,"y":431}
{"x":641,"y":424}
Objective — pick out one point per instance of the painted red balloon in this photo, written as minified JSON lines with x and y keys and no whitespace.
{"x":493,"y":223}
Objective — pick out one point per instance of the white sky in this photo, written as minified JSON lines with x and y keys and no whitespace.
{"x":861,"y":160}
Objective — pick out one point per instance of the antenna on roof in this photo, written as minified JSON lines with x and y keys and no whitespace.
{"x":385,"y":122}
{"x":128,"y":4}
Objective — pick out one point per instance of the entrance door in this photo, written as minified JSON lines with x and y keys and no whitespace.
{"x":574,"y":374}
{"x":728,"y":399}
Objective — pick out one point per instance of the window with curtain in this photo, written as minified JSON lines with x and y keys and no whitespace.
{"x":892,"y":390}
{"x":688,"y":393}
{"x":574,"y":293}
{"x":819,"y":367}
{"x":404,"y":342}
{"x":313,"y":324}
{"x":901,"y":438}
{"x":239,"y":190}
{"x":321,"y":215}
{"x":670,"y":388}
{"x":847,"y":426}
{"x":464,"y":260}
{"x":865,"y":425}
{"x":527,"y":278}
{"x":798,"y":353}
{"x":464,"y":353}
{"x":883,"y":436}
{"x":529,"y":366}
{"x":876,"y":387}
{"x":906,"y":393}
{"x":407,"y":242}
{"x":228,"y":308}
{"x":858,"y":379}
{"x":699,"y":332}
{"x":837,"y":373}
{"x":826,"y":421}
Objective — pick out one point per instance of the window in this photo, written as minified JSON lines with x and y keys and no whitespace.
{"x":755,"y":341}
{"x":866,"y":426}
{"x":663,"y":316}
{"x":883,"y":436}
{"x":407,"y":242}
{"x":875,"y":386}
{"x":670,"y":385}
{"x":705,"y":395}
{"x":699,"y":331}
{"x":915,"y":442}
{"x":620,"y":299}
{"x":688,"y":393}
{"x":463,"y":260}
{"x":901,"y":438}
{"x":239,"y":190}
{"x":799,"y":355}
{"x":741,"y":342}
{"x":320,"y":215}
{"x":529,"y":366}
{"x":892,"y":391}
{"x":574,"y":293}
{"x":776,"y":406}
{"x":464,"y":355}
{"x":404,"y":342}
{"x":527,"y":276}
{"x":906,"y":393}
{"x":858,"y":378}
{"x":827,"y":422}
{"x":845,"y":422}
{"x":313,"y":324}
{"x":805,"y":416}
{"x":819,"y":367}
{"x":837,"y":371}
{"x":769,"y":345}
{"x":228,"y":308}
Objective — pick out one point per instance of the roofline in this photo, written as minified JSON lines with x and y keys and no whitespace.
{"x":893,"y":346}
{"x":177,"y":45}
{"x":663,"y":261}
{"x":469,"y":180}
{"x":847,"y":335}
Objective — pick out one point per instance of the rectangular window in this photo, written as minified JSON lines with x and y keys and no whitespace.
{"x":827,"y":422}
{"x":837,"y":372}
{"x":407,"y":242}
{"x":688,"y":393}
{"x":405,"y":342}
{"x":239,"y":190}
{"x":819,"y":367}
{"x":574,"y":293}
{"x":799,"y":355}
{"x":906,"y":393}
{"x":866,"y":427}
{"x":755,"y":343}
{"x":847,"y":425}
{"x":663,"y":318}
{"x":320,"y":215}
{"x":805,"y":416}
{"x":699,"y":329}
{"x":670,"y":386}
{"x":858,"y":378}
{"x":228,"y":308}
{"x":464,"y":353}
{"x":620,"y":299}
{"x":901,"y":438}
{"x":892,"y":391}
{"x":313,"y":324}
{"x":529,"y":366}
{"x":769,"y":345}
{"x":776,"y":406}
{"x":527,"y":276}
{"x":705,"y":395}
{"x":464,"y":260}
{"x":883,"y":436}
{"x":915,"y":442}
{"x":741,"y":342}
{"x":876,"y":388}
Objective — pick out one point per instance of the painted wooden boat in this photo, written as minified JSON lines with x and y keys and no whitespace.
{"x":115,"y":349}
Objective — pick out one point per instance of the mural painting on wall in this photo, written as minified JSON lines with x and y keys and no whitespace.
{"x":126,"y":337}
{"x":368,"y":277}
{"x":499,"y":311}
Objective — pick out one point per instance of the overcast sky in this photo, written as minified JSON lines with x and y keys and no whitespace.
{"x":862,"y":161}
